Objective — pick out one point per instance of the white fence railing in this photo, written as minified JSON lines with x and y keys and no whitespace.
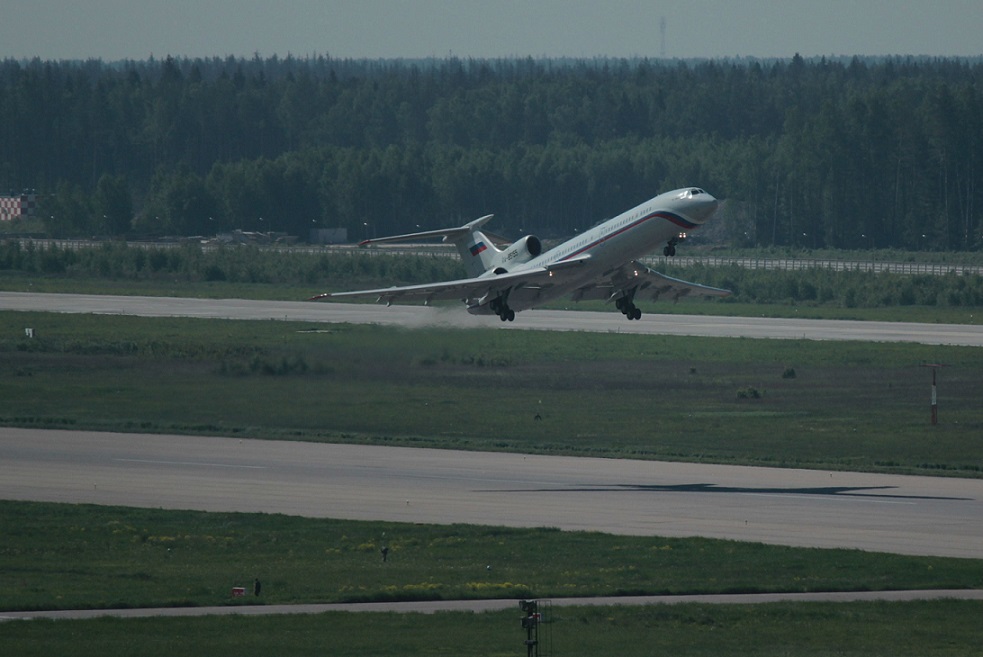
{"x":446,"y":250}
{"x":791,"y":264}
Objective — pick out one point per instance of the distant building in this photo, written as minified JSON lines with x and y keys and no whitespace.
{"x":15,"y":207}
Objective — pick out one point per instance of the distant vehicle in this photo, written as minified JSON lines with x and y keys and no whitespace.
{"x":599,"y":264}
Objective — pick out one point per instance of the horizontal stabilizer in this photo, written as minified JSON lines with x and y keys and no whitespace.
{"x":448,"y":234}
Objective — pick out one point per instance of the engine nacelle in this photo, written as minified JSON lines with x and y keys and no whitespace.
{"x":518,"y":253}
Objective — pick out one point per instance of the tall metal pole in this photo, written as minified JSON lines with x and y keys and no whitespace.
{"x":935,"y":394}
{"x":530,"y":623}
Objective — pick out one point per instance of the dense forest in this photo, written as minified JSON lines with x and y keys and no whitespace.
{"x":851,"y":153}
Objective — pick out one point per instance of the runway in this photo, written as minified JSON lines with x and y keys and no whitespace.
{"x":885,"y":513}
{"x":456,"y":317}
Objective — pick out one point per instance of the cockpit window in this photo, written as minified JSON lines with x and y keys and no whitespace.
{"x":690,"y":193}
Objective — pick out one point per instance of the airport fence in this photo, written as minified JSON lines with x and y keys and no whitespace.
{"x":656,"y":262}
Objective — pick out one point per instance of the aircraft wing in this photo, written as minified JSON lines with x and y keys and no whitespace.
{"x":647,"y":283}
{"x":527,"y":287}
{"x":531,"y":282}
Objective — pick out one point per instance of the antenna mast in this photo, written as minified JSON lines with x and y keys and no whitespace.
{"x":662,"y":33}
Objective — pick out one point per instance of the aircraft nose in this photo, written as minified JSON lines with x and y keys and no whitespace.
{"x":703,"y":207}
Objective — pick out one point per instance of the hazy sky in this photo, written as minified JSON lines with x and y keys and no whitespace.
{"x":136,"y":29}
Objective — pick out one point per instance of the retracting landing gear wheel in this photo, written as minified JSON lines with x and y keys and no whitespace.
{"x":670,"y":249}
{"x":628,"y":308}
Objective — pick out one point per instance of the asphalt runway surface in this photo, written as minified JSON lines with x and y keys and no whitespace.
{"x":885,"y":513}
{"x":651,"y":323}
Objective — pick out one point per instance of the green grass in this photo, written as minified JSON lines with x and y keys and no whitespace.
{"x":82,"y":556}
{"x":919,"y":629}
{"x":855,"y":406}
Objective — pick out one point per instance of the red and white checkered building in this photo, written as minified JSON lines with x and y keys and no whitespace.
{"x":14,"y":207}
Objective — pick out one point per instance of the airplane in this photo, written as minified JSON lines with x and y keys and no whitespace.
{"x":602,"y":263}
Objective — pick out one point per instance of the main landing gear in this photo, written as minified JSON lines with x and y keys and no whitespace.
{"x":670,"y":249}
{"x":500,"y":307}
{"x":628,"y":308}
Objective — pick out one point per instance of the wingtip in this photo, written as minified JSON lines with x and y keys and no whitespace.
{"x":318,"y":297}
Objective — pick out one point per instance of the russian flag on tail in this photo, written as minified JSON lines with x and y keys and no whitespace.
{"x":477,"y":248}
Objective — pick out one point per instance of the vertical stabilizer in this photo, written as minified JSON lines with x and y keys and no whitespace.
{"x":477,"y":252}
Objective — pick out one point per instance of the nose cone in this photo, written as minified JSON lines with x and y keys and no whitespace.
{"x":702,"y":207}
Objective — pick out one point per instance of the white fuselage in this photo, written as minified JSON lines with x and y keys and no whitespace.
{"x":629,"y":236}
{"x":599,"y":264}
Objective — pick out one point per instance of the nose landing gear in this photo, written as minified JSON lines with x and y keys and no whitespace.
{"x":670,"y":248}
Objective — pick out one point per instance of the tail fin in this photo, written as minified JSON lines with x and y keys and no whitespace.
{"x":478,"y":253}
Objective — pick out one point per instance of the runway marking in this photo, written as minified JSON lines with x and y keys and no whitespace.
{"x":195,"y":463}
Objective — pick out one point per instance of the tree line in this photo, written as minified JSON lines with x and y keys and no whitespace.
{"x":817,"y":153}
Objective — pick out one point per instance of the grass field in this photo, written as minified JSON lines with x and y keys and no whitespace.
{"x":79,"y":556}
{"x":857,"y":406}
{"x":916,"y":629}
